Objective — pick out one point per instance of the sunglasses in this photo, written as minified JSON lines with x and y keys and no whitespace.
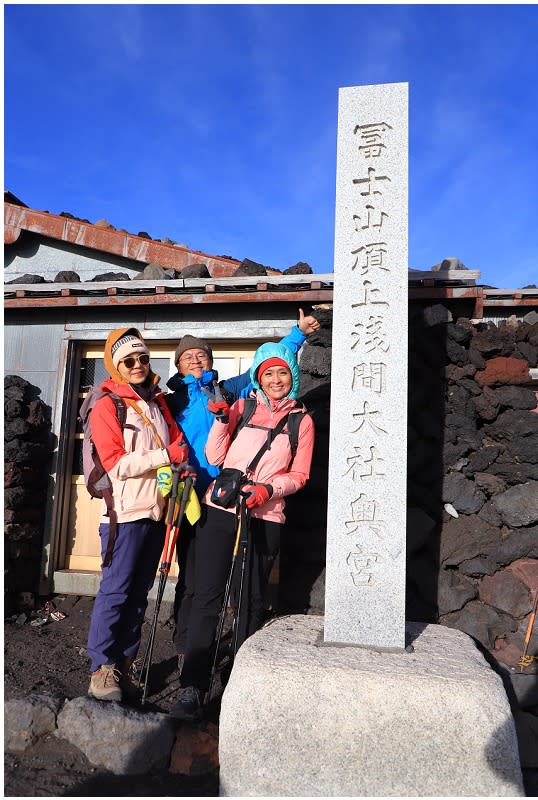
{"x":130,"y":361}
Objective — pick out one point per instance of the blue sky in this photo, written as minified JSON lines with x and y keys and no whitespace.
{"x":216,"y":125}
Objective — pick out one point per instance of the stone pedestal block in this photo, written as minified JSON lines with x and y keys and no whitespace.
{"x":300,"y":718}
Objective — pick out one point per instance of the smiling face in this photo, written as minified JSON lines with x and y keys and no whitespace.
{"x":194,"y":362}
{"x":276,"y":382}
{"x":133,"y":370}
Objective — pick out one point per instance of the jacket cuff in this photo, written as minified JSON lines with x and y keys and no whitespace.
{"x":297,"y":335}
{"x":158,"y":458}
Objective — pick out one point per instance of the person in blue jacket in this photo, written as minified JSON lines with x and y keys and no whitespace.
{"x":191,"y":389}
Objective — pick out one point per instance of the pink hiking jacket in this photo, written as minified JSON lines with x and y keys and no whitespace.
{"x":273,"y":465}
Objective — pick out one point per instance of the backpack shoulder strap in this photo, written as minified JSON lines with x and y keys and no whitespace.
{"x":94,"y":395}
{"x":121,"y":408}
{"x":294,"y":423}
{"x":248,"y":410}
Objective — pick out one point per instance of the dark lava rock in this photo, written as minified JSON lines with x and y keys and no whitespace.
{"x":515,"y":397}
{"x":513,"y":424}
{"x":489,"y":514}
{"x":482,"y":622}
{"x":436,"y":315}
{"x":477,"y":567}
{"x":300,"y":268}
{"x":462,"y":493}
{"x":454,"y":591}
{"x":317,"y":361}
{"x":506,"y":593}
{"x":456,"y":353}
{"x":458,"y":400}
{"x":248,"y":267}
{"x":486,"y":405}
{"x":495,"y":341}
{"x":518,"y":506}
{"x":67,"y":276}
{"x":195,"y":271}
{"x":28,"y":279}
{"x":515,"y":473}
{"x":459,"y":333}
{"x":528,"y":352}
{"x":155,"y":272}
{"x":467,"y":537}
{"x":105,"y":277}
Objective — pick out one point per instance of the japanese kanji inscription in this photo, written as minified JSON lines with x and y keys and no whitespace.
{"x":365,"y":575}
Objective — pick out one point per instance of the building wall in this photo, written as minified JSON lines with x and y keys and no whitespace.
{"x":35,"y":255}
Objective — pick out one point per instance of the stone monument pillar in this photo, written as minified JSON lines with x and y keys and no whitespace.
{"x":365,"y":572}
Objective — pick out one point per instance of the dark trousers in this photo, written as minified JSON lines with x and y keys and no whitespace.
{"x":122,"y":599}
{"x":213,"y":548}
{"x":185,"y":583}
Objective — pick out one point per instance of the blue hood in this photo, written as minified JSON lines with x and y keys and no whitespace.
{"x":274,"y":350}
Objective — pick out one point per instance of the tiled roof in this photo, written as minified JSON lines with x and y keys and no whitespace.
{"x":250,"y":289}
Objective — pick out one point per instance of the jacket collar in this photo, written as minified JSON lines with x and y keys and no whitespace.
{"x":286,"y":404}
{"x":177,"y":381}
{"x":126,"y":390}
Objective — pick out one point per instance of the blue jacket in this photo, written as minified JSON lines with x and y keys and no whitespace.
{"x":188,"y":405}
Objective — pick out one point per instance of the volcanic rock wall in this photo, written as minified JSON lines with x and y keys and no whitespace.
{"x":473,"y":478}
{"x":27,"y":455}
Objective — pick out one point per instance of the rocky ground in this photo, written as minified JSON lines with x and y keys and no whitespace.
{"x":51,"y":659}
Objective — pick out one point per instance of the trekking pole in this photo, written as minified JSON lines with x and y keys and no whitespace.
{"x":166,"y":562}
{"x":525,"y":660}
{"x":169,"y":522}
{"x":244,"y":543}
{"x":224,"y":608}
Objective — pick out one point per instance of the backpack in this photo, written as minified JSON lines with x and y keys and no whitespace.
{"x":96,"y":479}
{"x":294,"y":422}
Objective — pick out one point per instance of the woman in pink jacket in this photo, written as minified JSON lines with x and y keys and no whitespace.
{"x":275,"y":377}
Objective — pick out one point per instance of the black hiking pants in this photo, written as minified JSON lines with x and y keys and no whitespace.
{"x":213,"y":548}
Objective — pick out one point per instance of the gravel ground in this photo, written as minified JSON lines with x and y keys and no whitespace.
{"x":52,"y":659}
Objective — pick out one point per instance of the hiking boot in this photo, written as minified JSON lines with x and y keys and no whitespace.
{"x":189,"y":704}
{"x":130,"y":684}
{"x":104,"y":683}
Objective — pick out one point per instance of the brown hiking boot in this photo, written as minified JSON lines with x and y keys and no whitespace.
{"x":104,"y":683}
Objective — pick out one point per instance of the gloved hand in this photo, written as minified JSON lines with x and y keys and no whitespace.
{"x":258,"y":493}
{"x":164,"y":480}
{"x":185,"y":470}
{"x":178,"y":452}
{"x":220,"y":409}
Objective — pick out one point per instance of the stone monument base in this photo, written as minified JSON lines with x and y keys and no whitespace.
{"x":304,"y":719}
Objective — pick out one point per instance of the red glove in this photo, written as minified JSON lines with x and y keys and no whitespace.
{"x":219,"y":408}
{"x":178,"y":452}
{"x":186,"y":471}
{"x":258,"y":494}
